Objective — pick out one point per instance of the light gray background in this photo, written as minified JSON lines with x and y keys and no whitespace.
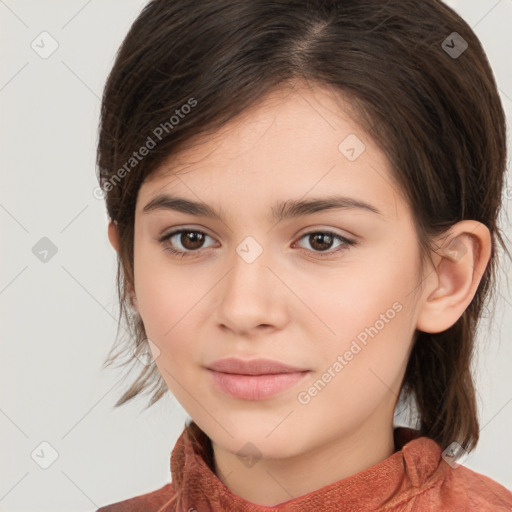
{"x":58,"y":317}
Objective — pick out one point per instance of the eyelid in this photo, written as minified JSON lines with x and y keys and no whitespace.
{"x":176,"y":229}
{"x":326,"y":229}
{"x":184,"y":229}
{"x":346,"y":242}
{"x":300,"y":234}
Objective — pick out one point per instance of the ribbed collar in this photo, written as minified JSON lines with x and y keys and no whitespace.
{"x":407,"y":472}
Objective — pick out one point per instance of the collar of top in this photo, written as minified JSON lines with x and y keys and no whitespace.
{"x":395,"y":479}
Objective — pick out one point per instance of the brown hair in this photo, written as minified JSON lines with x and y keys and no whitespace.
{"x":187,"y":68}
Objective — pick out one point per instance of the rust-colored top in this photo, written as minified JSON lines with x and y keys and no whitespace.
{"x":414,"y":478}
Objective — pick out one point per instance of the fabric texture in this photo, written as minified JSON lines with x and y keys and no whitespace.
{"x":414,"y":478}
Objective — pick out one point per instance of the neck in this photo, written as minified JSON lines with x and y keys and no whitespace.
{"x":270,"y":482}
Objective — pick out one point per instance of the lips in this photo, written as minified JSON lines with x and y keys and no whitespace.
{"x":258,"y":379}
{"x":253,"y":367}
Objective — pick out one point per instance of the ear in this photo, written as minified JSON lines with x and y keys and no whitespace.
{"x":460,"y":259}
{"x":113,"y":234}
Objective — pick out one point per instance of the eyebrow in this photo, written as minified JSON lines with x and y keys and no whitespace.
{"x":281,"y":211}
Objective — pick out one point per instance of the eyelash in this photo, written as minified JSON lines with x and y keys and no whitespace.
{"x":347,"y":243}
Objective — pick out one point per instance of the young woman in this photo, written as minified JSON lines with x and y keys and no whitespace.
{"x":304,"y":198}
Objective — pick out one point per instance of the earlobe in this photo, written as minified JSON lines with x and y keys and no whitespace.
{"x":113,"y":235}
{"x":460,"y":262}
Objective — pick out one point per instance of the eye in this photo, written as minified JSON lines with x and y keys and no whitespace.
{"x":190,"y":239}
{"x":322,"y":240}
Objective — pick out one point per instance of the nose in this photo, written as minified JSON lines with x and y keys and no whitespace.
{"x":252,"y":297}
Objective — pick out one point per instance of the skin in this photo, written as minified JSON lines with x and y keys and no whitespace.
{"x":291,"y":304}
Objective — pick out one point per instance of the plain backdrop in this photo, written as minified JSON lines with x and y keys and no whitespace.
{"x":59,"y":315}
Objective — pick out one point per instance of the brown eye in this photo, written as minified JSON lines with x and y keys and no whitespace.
{"x":321,"y":241}
{"x":184,"y":242}
{"x":191,"y":240}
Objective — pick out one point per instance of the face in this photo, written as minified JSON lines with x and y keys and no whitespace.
{"x":329,"y":288}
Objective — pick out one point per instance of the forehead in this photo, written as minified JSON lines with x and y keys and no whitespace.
{"x":297,"y":141}
{"x":295,"y":113}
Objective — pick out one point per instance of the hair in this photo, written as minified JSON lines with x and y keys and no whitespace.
{"x":187,"y":68}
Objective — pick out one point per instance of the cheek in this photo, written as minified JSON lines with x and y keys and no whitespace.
{"x":372,"y":312}
{"x":167,"y":311}
{"x":165,"y":292}
{"x":363,"y":369}
{"x":170,"y":299}
{"x":353,"y":298}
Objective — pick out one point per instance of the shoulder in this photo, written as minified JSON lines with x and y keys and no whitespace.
{"x":482,"y":490}
{"x":434,"y":484}
{"x":462,"y":485}
{"x":149,"y":502}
